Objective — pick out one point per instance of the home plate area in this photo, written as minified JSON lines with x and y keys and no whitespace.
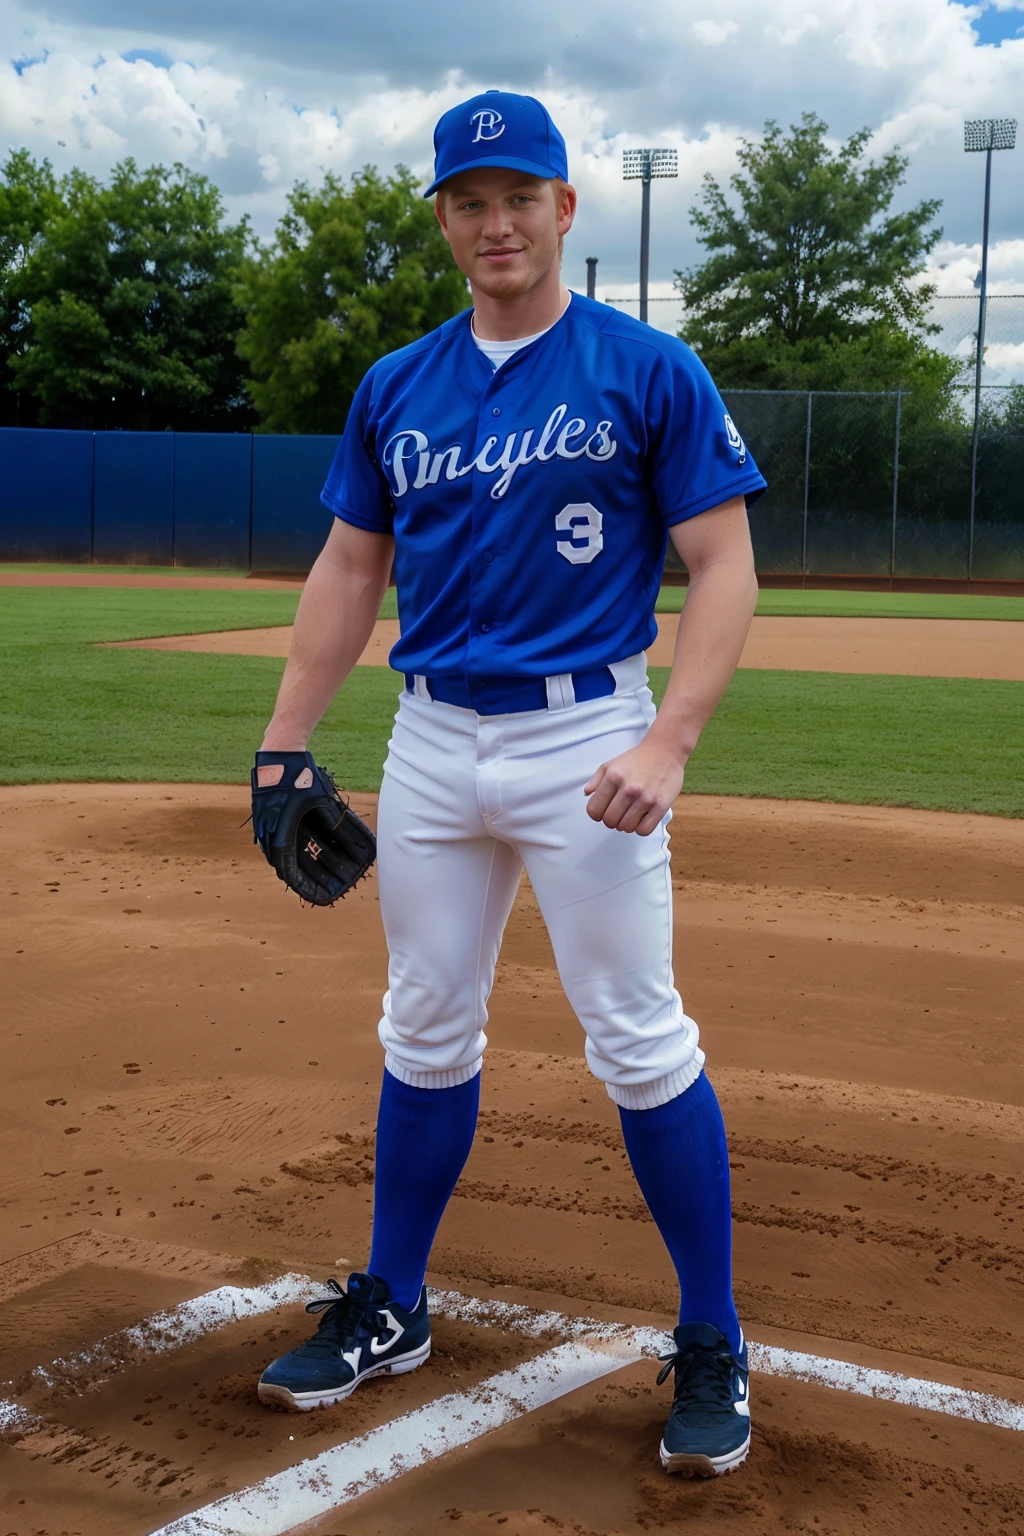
{"x":187,"y":1152}
{"x":522,"y":1413}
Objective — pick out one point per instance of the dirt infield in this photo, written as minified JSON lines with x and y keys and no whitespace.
{"x":915,"y":648}
{"x":188,"y":1098}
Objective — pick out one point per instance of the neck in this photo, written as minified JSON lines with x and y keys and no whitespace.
{"x":525,"y":315}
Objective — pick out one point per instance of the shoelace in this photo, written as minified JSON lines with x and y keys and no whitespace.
{"x":345,"y":1315}
{"x":704,"y":1375}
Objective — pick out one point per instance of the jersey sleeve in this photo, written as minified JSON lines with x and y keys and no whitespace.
{"x":356,"y":489}
{"x":697,"y":458}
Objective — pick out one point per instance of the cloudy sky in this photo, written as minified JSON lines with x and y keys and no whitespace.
{"x":258,"y":93}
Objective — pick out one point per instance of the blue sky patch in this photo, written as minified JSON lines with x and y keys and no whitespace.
{"x":20,"y":65}
{"x":154,"y":56}
{"x":994,"y":27}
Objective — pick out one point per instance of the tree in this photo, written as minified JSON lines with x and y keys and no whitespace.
{"x":29,"y":200}
{"x":355,"y":272}
{"x":810,"y":281}
{"x":127,"y":299}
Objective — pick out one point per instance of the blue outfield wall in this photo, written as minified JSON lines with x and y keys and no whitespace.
{"x":133,"y":498}
{"x":289,"y":521}
{"x":46,"y":485}
{"x":191,"y":499}
{"x":212,"y":499}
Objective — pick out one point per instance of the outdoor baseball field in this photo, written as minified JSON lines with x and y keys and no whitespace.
{"x":192,"y":1069}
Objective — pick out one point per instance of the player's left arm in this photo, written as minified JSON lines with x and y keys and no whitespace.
{"x":632,"y":792}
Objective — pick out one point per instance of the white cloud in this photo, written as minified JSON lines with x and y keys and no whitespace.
{"x":953,"y":267}
{"x":261,"y":99}
{"x":796,"y":31}
{"x":1004,"y":362}
{"x":714,"y":33}
{"x":107,"y":108}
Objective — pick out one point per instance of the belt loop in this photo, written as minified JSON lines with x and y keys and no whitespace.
{"x":630,"y":675}
{"x":561,"y":694}
{"x":420,"y":689}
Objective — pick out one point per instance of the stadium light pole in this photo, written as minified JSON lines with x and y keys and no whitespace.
{"x":983,"y":133}
{"x":643,"y":165}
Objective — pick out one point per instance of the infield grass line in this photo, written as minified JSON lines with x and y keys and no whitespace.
{"x":779,"y":601}
{"x":796,"y":603}
{"x":75,"y":711}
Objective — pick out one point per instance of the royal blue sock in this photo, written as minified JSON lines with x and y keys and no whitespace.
{"x":424,"y":1136}
{"x":681,"y":1161}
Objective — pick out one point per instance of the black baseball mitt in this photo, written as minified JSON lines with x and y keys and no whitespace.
{"x":315,"y":842}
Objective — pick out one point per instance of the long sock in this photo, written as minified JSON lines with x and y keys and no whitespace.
{"x":681,"y":1161}
{"x":424,"y":1136}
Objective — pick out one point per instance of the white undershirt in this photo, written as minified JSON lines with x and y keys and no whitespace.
{"x":500,"y":351}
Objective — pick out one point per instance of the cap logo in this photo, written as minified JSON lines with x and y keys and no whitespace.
{"x":487,"y":121}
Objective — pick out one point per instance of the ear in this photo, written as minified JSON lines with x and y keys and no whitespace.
{"x":439,"y":212}
{"x":566,"y":209}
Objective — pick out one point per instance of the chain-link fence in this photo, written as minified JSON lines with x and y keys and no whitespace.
{"x":880,"y":484}
{"x":955,"y":317}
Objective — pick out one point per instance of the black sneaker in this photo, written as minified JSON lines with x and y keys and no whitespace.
{"x":708,"y":1430}
{"x":362,"y":1333}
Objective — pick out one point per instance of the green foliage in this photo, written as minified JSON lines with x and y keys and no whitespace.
{"x":881,"y":358}
{"x":355,"y":272}
{"x":29,"y":199}
{"x":1004,"y":412}
{"x":809,"y":283}
{"x":121,"y":304}
{"x":121,"y":299}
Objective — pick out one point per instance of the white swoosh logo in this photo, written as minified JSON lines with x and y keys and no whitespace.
{"x":396,"y":1331}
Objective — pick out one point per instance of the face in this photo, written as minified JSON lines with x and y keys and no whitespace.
{"x":504,"y":227}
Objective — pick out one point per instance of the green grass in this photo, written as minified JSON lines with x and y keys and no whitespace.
{"x":950,"y":744}
{"x":879,"y":605}
{"x":84,"y":568}
{"x":61,"y":616}
{"x":141,"y":613}
{"x":76,"y":711}
{"x":869,"y":605}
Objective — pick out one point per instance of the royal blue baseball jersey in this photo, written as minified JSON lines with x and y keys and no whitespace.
{"x":531,"y":504}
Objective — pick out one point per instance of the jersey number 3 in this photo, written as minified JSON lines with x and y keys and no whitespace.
{"x":583,"y":523}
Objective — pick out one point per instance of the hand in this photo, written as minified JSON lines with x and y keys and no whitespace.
{"x":633,"y":791}
{"x":277,"y":741}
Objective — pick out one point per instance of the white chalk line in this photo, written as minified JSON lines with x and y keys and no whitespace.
{"x":889,"y":1386}
{"x":326,"y":1482}
{"x":164,"y":1331}
{"x":562,"y":1369}
{"x":766,"y":1359}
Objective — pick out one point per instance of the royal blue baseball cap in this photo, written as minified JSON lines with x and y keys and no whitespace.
{"x":498,"y":128}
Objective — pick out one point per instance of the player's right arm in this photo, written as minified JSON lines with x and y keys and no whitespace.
{"x":335,"y":619}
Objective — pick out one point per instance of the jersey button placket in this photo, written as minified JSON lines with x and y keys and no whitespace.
{"x":482,"y":601}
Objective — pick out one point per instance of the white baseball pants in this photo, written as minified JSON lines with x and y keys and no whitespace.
{"x":467,"y":801}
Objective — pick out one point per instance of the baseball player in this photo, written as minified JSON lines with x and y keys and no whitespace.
{"x":522,"y":468}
